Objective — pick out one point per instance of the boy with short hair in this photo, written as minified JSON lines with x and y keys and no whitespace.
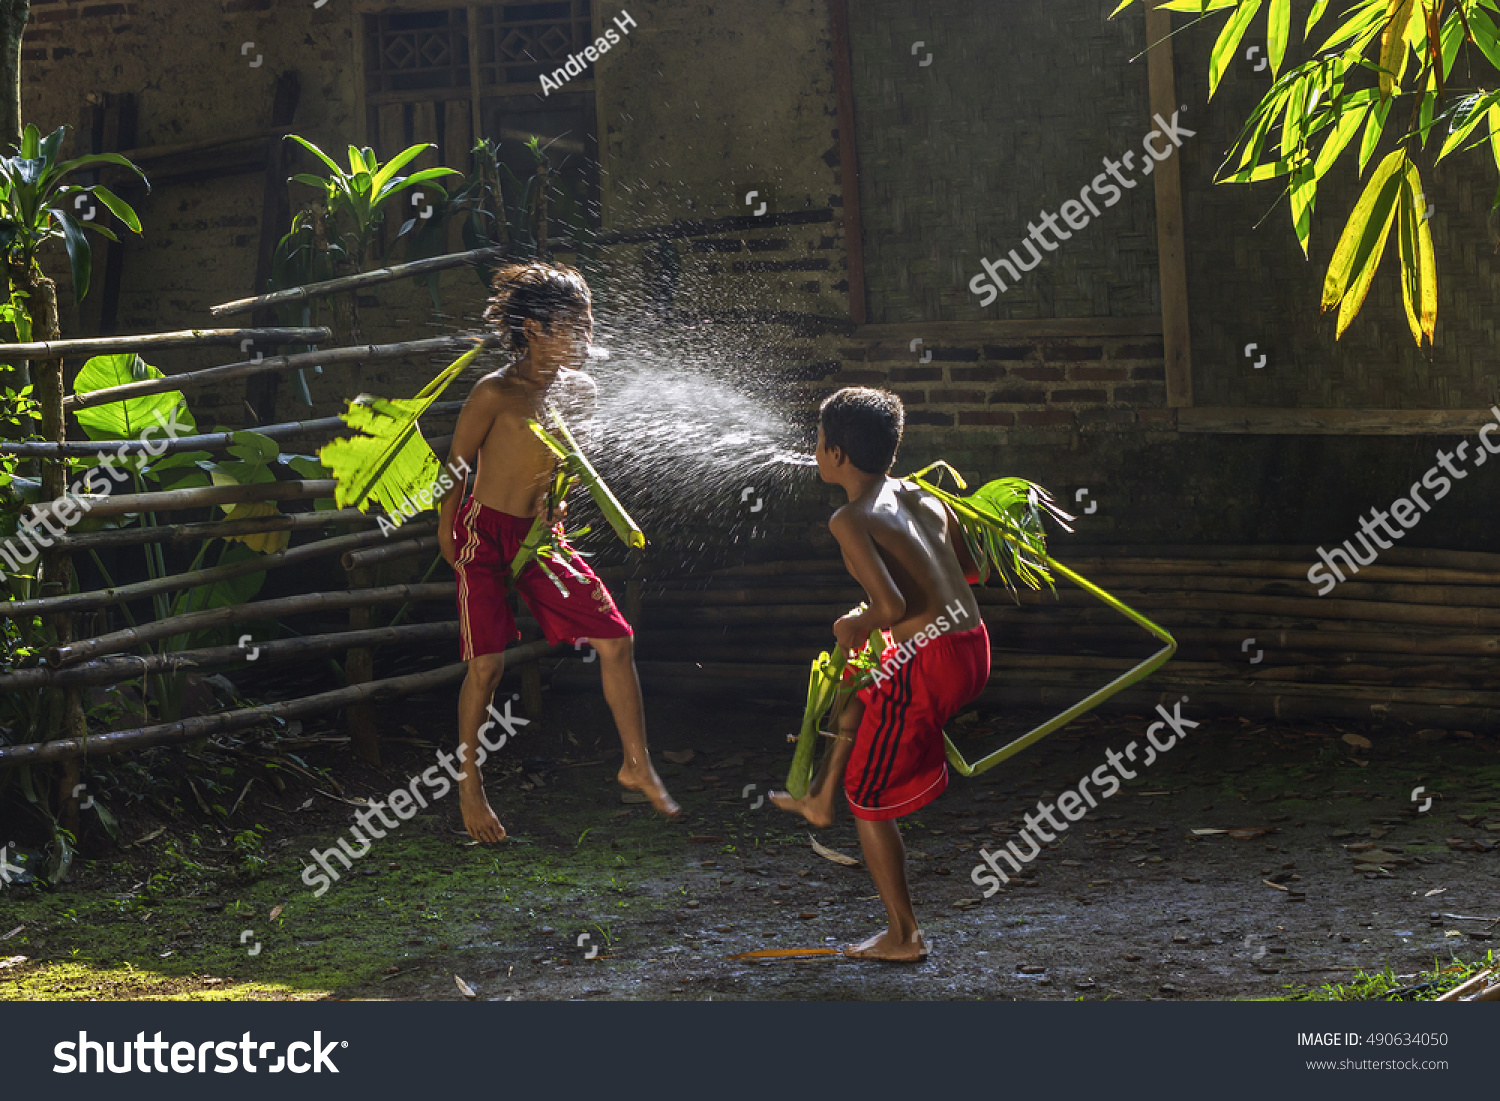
{"x":903,"y":545}
{"x":547,"y":311}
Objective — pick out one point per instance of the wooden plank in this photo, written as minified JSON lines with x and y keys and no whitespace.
{"x":458,"y":152}
{"x":843,"y":82}
{"x":1011,"y":328}
{"x":390,"y":139}
{"x":1171,"y":248}
{"x":275,"y":220}
{"x":1327,"y":422}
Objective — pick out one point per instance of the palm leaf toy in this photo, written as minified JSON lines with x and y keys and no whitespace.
{"x":575,"y":468}
{"x":828,"y":693}
{"x":391,"y":463}
{"x":1002,"y":519}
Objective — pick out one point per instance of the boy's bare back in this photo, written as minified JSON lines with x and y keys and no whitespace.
{"x":903,"y":538}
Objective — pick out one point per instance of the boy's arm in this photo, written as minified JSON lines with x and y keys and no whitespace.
{"x":474,"y":423}
{"x":960,"y":547}
{"x":887,"y":605}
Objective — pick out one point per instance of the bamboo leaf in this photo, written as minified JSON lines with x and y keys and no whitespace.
{"x":1278,"y":28}
{"x":1418,"y":260}
{"x":1304,"y":198}
{"x":1358,"y":252}
{"x":1313,"y":16}
{"x":1228,"y":43}
{"x":1374,"y":125}
{"x":1393,"y":44}
{"x":1343,"y":133}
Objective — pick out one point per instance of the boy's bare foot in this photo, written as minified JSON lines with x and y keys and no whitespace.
{"x":480,"y":819}
{"x":649,"y":784}
{"x":818,"y":811}
{"x":888,"y":947}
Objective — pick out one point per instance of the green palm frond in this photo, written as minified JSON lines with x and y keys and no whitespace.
{"x":1002,"y":526}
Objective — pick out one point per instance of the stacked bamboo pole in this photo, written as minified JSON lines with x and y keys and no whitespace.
{"x":1415,"y":638}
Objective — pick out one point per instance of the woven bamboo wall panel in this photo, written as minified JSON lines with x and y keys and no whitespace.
{"x":1249,"y":283}
{"x":1013,"y":116}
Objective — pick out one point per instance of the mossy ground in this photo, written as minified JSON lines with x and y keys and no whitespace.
{"x":593,"y":897}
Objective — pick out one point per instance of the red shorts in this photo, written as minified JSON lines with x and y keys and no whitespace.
{"x":898,"y":765}
{"x":486,"y":540}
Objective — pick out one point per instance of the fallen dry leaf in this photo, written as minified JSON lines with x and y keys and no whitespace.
{"x":1205,"y":833}
{"x":1360,"y":846}
{"x":1358,"y":740}
{"x":1278,"y":886}
{"x":678,"y":756}
{"x":13,"y":932}
{"x":152,"y":836}
{"x":833,"y":854}
{"x":1435,"y":891}
{"x":1248,"y":834}
{"x":276,"y":912}
{"x":465,"y":989}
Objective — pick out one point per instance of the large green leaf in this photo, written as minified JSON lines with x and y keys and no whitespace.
{"x":127,"y":419}
{"x":390,"y":464}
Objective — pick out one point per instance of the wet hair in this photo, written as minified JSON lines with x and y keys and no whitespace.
{"x":866,"y":423}
{"x":535,"y":289}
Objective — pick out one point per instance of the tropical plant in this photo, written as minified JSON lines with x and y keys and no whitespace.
{"x":340,"y":230}
{"x":1382,"y":52}
{"x":36,"y":206}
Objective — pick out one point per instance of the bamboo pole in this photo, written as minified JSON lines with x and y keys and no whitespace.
{"x":211,"y":441}
{"x":118,"y":504}
{"x":359,"y":668}
{"x":667,"y":231}
{"x":209,"y":376}
{"x":217,"y":529}
{"x":139,"y":590}
{"x":409,"y":548}
{"x":99,"y":745}
{"x":116,"y":670}
{"x":1144,"y":588}
{"x":192,"y":338}
{"x":117,"y":641}
{"x":330,"y":287}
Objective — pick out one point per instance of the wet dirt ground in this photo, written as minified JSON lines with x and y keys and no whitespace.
{"x":595,"y":898}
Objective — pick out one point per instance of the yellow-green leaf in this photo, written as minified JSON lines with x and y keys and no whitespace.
{"x":1343,"y":133}
{"x":1304,"y":196}
{"x":1313,"y":16}
{"x":1278,"y":27}
{"x":1228,"y":43}
{"x":1358,"y":252}
{"x":1418,"y":260}
{"x":390,"y":463}
{"x":1393,"y":49}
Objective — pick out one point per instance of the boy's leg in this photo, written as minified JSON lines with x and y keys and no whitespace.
{"x":622,"y":691}
{"x":474,"y":699}
{"x":885,"y":854}
{"x":821,"y":801}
